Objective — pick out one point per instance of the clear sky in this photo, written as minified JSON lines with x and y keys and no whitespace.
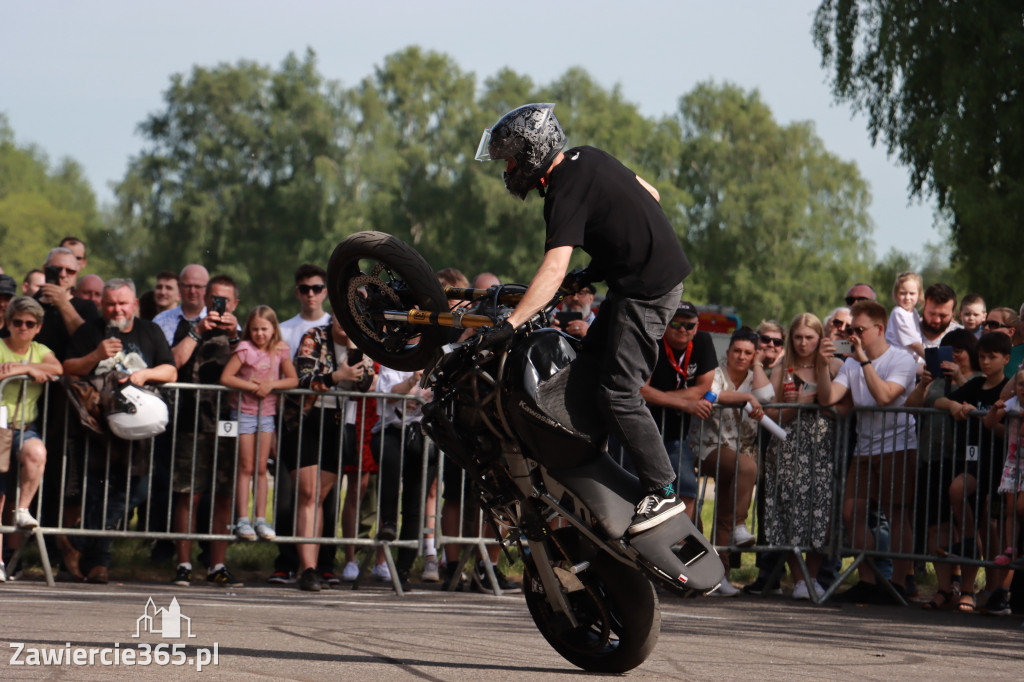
{"x":76,"y":78}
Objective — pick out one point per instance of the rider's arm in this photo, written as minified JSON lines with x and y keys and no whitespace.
{"x":544,"y":285}
{"x":647,"y":186}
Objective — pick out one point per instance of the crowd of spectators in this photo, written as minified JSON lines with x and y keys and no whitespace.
{"x":946,"y":486}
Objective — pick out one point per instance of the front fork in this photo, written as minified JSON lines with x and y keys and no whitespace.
{"x":540,"y":554}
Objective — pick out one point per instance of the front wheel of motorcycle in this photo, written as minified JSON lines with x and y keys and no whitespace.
{"x":373,"y":272}
{"x":616,"y":609}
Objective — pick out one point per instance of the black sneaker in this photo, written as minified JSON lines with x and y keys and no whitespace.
{"x":183,"y":578}
{"x":309,"y":581}
{"x":387,"y":532}
{"x":997,"y":604}
{"x":760,"y":586}
{"x":482,"y":584}
{"x":330,"y":579}
{"x":861,"y":593}
{"x":281,"y":578}
{"x":450,"y":577}
{"x":222,"y":576}
{"x":654,"y":509}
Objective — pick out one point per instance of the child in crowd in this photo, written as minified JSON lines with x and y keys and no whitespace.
{"x":977,"y":467}
{"x":260,"y":364}
{"x":904,"y":328}
{"x":973,"y":313}
{"x":1012,"y":482}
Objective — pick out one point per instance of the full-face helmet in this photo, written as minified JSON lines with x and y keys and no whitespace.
{"x":532,"y":137}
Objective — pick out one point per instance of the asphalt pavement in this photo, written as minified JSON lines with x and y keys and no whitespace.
{"x":265,"y":632}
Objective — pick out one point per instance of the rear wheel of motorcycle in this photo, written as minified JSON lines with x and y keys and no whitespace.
{"x":617,"y":611}
{"x":370,"y":272}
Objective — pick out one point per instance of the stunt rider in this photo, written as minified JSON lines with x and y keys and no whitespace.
{"x":594,"y":202}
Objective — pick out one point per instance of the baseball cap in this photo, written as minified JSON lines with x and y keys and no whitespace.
{"x":685,"y":309}
{"x":8,"y":285}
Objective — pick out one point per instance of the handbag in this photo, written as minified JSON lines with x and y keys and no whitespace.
{"x":7,"y":434}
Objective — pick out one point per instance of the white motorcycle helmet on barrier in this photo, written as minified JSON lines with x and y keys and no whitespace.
{"x":137,"y":414}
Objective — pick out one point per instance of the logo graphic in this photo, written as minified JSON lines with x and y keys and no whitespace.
{"x":163,"y":622}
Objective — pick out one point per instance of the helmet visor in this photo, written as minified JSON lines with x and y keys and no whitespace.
{"x":483,"y":149}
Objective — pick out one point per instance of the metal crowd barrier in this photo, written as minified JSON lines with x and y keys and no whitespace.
{"x":96,"y":491}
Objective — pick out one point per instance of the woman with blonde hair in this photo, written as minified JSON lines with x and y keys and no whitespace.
{"x":799,"y":471}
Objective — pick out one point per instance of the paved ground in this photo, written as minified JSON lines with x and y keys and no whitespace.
{"x":370,"y":634}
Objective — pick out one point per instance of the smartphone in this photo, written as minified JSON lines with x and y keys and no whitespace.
{"x":51,"y":274}
{"x":934,"y":357}
{"x":564,"y":318}
{"x":843,"y":346}
{"x":355,"y":356}
{"x":220,"y":304}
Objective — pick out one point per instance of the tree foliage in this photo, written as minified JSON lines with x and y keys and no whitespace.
{"x":40,"y":205}
{"x":776,"y":225}
{"x":941,"y":83}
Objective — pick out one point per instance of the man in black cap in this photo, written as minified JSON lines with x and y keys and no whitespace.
{"x":8,"y":290}
{"x":683,"y":374}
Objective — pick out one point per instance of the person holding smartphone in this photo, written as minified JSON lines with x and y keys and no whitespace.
{"x":577,"y":312}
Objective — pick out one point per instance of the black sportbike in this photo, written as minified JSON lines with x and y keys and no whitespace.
{"x":523,"y":425}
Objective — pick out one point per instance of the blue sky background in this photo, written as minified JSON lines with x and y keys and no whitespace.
{"x":76,"y":78}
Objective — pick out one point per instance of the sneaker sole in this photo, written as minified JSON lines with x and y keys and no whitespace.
{"x":747,"y":542}
{"x":647,"y":524}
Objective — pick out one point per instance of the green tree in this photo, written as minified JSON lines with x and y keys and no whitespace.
{"x":40,"y":205}
{"x":940,"y":82}
{"x":777,"y":225}
{"x":244,"y":165}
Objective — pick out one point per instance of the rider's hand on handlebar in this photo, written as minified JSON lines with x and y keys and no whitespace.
{"x":497,"y":339}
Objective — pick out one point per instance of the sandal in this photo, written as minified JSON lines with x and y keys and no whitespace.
{"x":1006,"y":558}
{"x":966,"y":606}
{"x":946,"y":603}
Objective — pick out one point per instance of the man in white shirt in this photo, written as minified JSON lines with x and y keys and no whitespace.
{"x":311,"y":290}
{"x":192,"y":284}
{"x":883,"y":468}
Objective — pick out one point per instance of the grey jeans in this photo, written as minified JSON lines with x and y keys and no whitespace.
{"x":625,"y":338}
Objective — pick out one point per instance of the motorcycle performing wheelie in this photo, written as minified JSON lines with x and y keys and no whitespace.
{"x":521,"y":421}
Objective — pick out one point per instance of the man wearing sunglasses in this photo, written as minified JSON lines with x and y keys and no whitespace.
{"x":62,"y":313}
{"x":683,"y":374}
{"x":310,"y":290}
{"x":884,"y":464}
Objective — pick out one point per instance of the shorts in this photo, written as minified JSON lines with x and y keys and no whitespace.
{"x":681,"y":455}
{"x":321,"y":439}
{"x":250,"y":423}
{"x":887,"y":479}
{"x":198,"y":450}
{"x":28,"y":433}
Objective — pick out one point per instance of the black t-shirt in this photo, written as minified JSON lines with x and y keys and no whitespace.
{"x":971,"y":433}
{"x":54,"y":333}
{"x":146,"y":339}
{"x":666,"y":378}
{"x":596,"y":203}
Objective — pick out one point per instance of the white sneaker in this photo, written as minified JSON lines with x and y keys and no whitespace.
{"x":23,"y":520}
{"x":264,"y":530}
{"x":741,"y":537}
{"x":726,"y":589}
{"x":431,"y":572}
{"x":244,"y":531}
{"x":382,"y":573}
{"x":3,"y":572}
{"x":800,"y":591}
{"x":351,"y":572}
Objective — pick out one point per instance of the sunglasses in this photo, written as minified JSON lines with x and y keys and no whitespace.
{"x":770,"y":341}
{"x":306,"y":288}
{"x":676,"y":324}
{"x":839,"y":324}
{"x":859,"y":331}
{"x":27,"y":324}
{"x":992,"y":324}
{"x":64,"y":271}
{"x":850,"y":300}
